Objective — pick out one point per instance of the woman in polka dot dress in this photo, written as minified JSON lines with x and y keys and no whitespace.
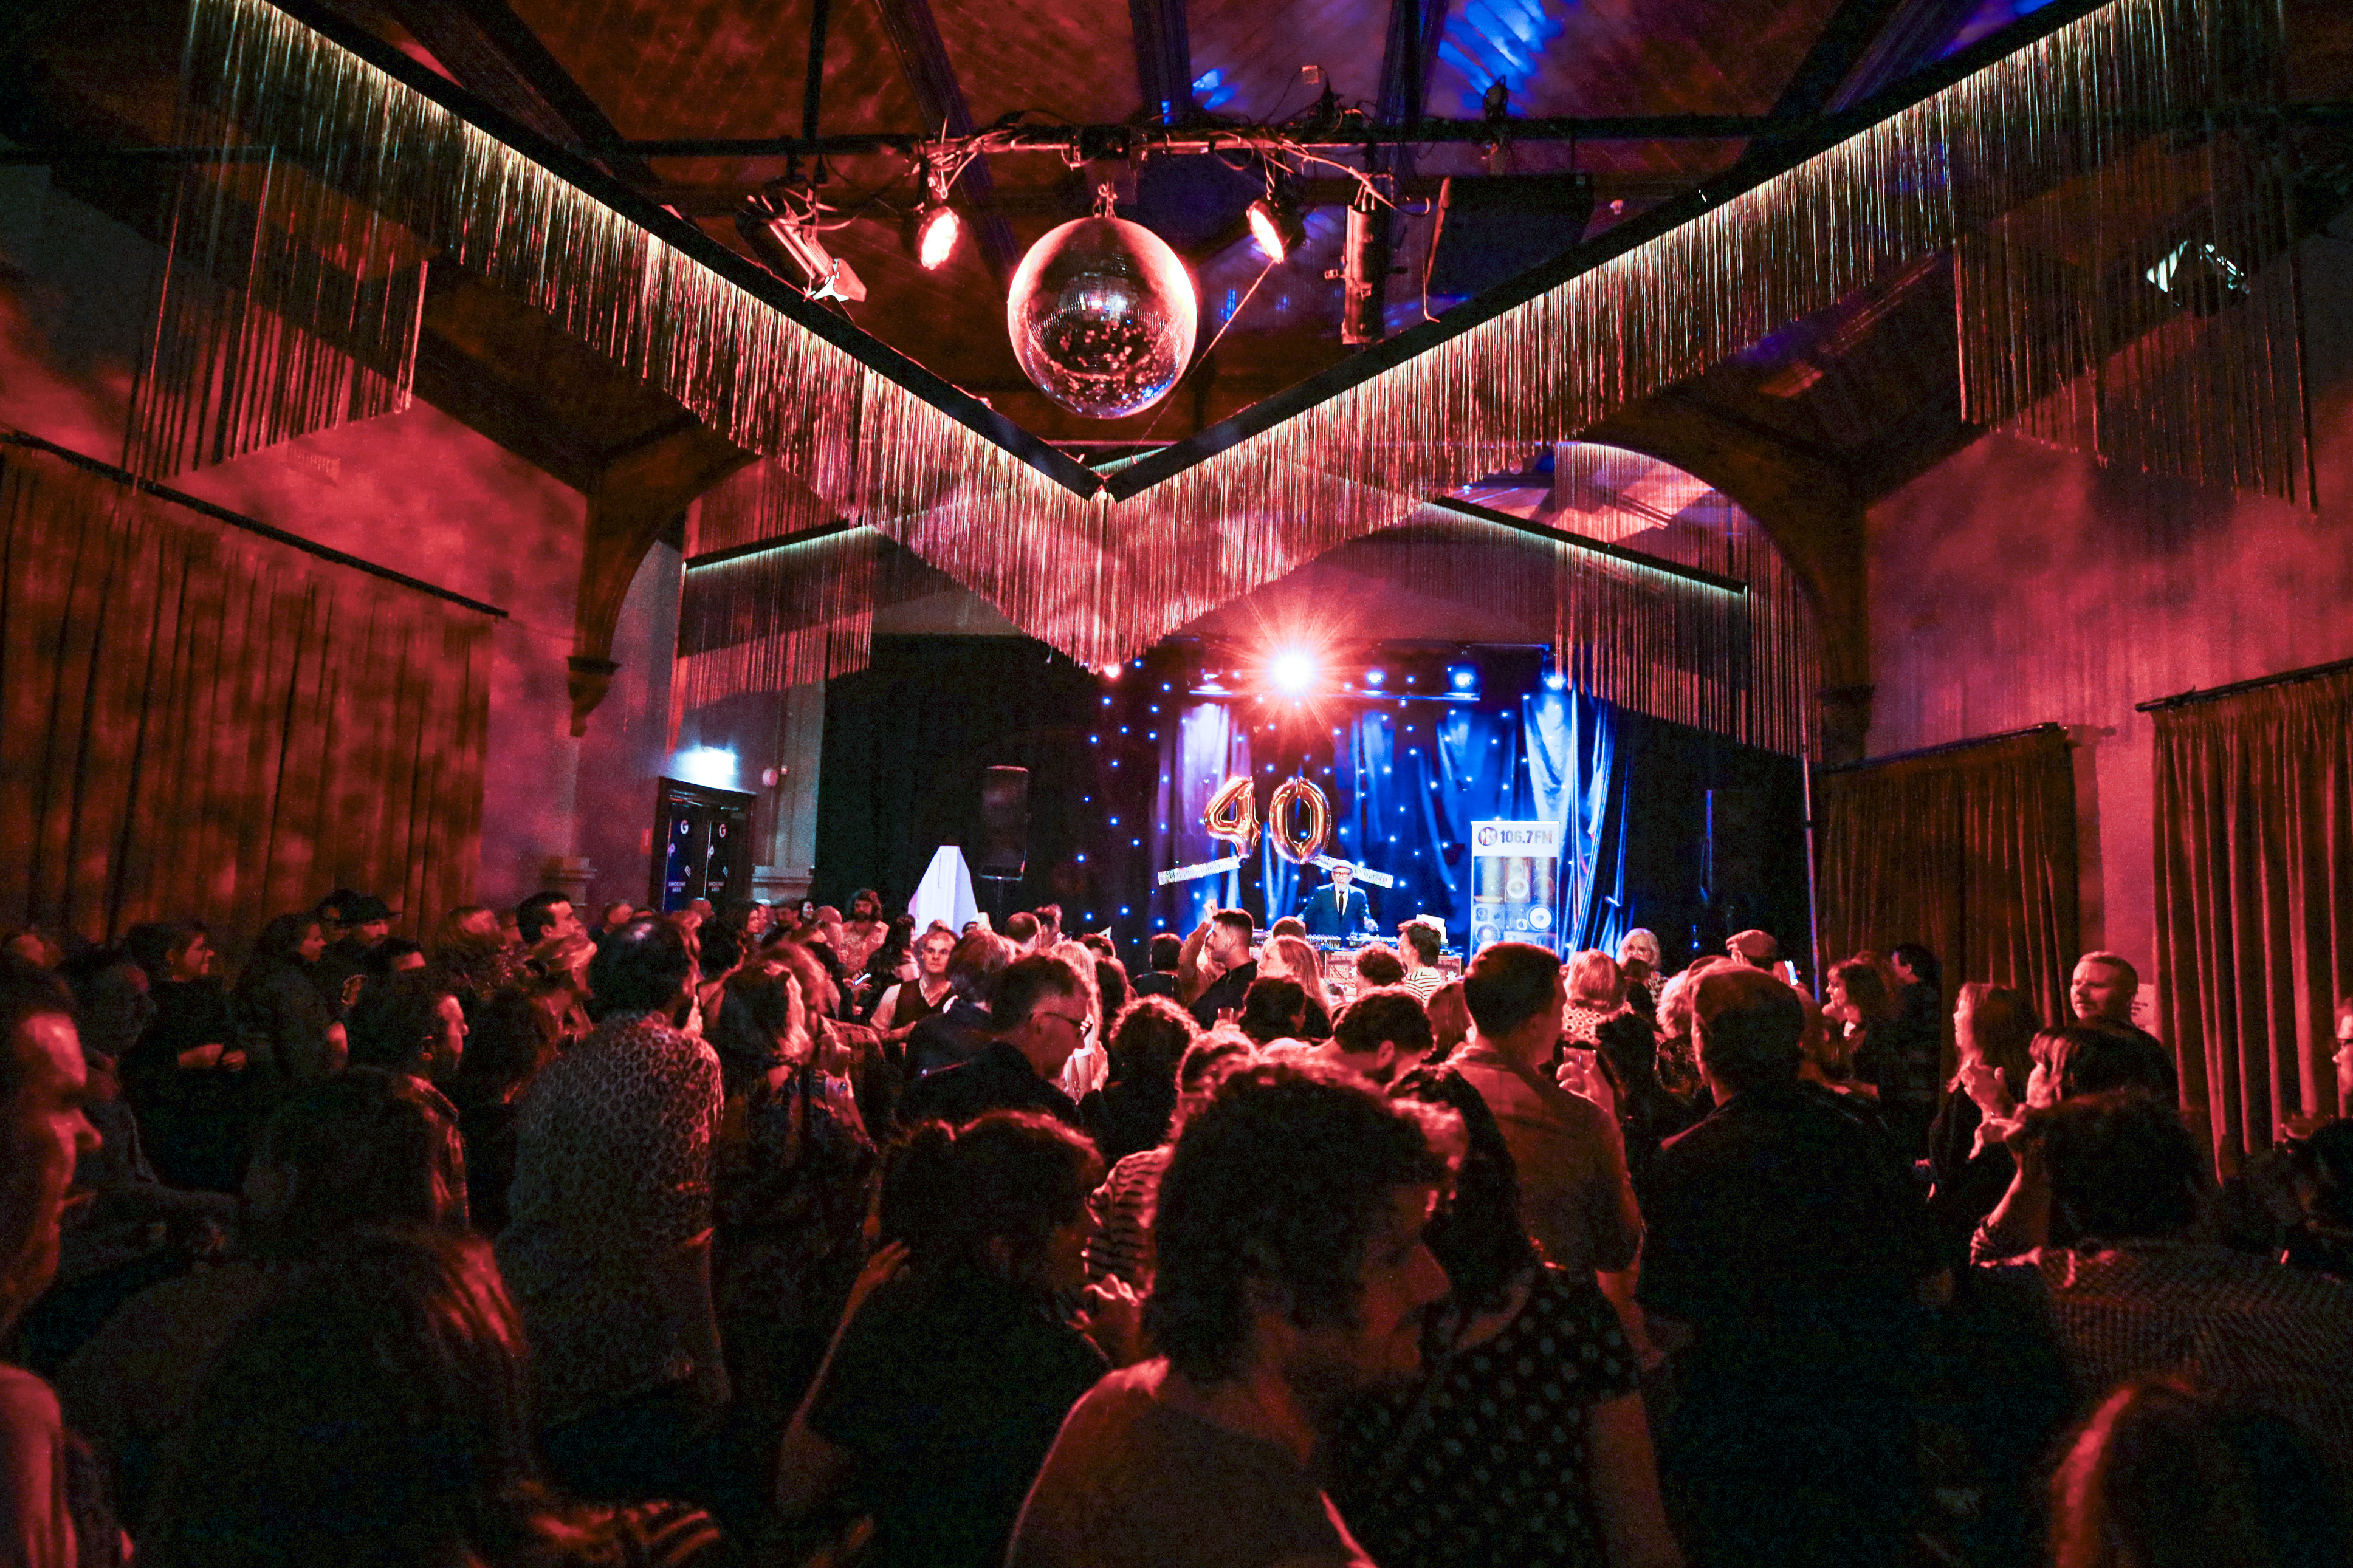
{"x":1525,"y":1442}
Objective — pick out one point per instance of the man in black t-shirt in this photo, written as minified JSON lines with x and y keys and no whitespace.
{"x":1785,"y":1232}
{"x":1041,"y":1020}
{"x":1160,"y":980}
{"x":1228,"y":946}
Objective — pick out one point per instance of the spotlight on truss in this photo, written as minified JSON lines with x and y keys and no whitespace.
{"x":937,"y":229}
{"x":1364,"y":272}
{"x":1292,"y":672}
{"x":932,"y":232}
{"x":787,"y":244}
{"x":1275,"y":223}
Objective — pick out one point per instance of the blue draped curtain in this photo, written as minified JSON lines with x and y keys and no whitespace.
{"x":1406,"y":782}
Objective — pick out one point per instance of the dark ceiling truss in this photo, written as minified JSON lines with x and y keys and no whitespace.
{"x":939,"y":98}
{"x":1910,"y":40}
{"x":1408,"y":57}
{"x":813,"y":88}
{"x":1351,"y":130}
{"x":1764,"y":160}
{"x":1164,"y":60}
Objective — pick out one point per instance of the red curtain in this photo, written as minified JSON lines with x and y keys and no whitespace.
{"x":1969,"y":849}
{"x":2254,"y":900}
{"x":199,"y":721}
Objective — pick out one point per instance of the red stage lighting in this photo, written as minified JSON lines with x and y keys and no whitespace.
{"x":935,"y":237}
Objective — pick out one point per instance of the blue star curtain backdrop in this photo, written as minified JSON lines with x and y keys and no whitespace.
{"x":1121,"y":767}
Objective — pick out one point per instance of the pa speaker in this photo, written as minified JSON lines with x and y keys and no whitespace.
{"x":1004,"y":822}
{"x":1735,"y":843}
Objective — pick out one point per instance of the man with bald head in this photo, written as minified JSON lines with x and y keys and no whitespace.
{"x":2102,"y":988}
{"x":1784,"y":1230}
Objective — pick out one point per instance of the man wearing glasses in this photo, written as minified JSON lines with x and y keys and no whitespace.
{"x":1039,"y":1016}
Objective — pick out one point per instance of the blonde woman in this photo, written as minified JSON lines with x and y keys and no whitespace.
{"x":1294,"y":958}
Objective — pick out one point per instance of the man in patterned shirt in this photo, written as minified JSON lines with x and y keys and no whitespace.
{"x":608,"y":1251}
{"x":2113,"y":1187}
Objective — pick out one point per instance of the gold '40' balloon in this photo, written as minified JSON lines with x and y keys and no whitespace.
{"x":1232,"y":813}
{"x":1282,"y":813}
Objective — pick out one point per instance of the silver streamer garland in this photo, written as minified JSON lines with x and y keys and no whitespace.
{"x":2062,"y":174}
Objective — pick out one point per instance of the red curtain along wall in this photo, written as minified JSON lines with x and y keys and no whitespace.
{"x":202,"y":720}
{"x":1968,"y":848}
{"x":2254,"y":900}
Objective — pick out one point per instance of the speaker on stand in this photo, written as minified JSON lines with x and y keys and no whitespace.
{"x":1004,"y":841}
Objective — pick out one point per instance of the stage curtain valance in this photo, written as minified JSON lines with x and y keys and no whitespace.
{"x":203,"y":720}
{"x":2254,"y":900}
{"x":1969,"y":849}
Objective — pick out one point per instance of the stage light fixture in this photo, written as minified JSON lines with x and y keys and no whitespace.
{"x":1292,"y":672}
{"x":933,"y":228}
{"x":1275,"y":223}
{"x":1376,"y":677}
{"x":936,"y":231}
{"x":1554,"y":680}
{"x":782,"y":235}
{"x":1463,"y":679}
{"x":1364,"y":272}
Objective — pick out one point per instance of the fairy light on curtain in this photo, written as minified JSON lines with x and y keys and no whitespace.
{"x":273,"y":275}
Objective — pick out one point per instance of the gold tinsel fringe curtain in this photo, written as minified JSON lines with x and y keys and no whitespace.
{"x":781,"y":617}
{"x":1639,"y":635}
{"x":2062,"y":173}
{"x":200,"y":721}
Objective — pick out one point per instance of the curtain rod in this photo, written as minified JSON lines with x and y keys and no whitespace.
{"x":1974,"y":741}
{"x":131,"y":481}
{"x":2285,"y":678}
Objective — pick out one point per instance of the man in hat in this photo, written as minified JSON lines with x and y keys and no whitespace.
{"x":1756,"y":949}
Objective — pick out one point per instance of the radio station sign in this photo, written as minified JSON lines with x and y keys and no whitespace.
{"x":1515,"y":866}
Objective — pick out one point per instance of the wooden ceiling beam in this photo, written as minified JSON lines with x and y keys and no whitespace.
{"x":1409,"y":60}
{"x":1164,"y":58}
{"x":1910,"y":39}
{"x":931,"y":76}
{"x":1843,"y":40}
{"x":498,"y":58}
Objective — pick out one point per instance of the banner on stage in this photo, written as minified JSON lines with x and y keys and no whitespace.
{"x":1362,"y":873}
{"x":1514,"y":866}
{"x":1205,"y":868}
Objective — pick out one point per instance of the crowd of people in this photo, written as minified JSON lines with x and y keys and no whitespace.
{"x":777,"y":1237}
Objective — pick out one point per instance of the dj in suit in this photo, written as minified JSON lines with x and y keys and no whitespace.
{"x":1337,"y":909}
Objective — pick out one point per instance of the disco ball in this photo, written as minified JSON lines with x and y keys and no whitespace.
{"x":1101,"y":317}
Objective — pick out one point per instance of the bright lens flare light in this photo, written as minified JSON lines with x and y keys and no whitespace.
{"x":1292,"y":672}
{"x":935,"y":237}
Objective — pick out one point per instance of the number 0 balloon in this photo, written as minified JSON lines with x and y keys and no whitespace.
{"x":1281,"y":811}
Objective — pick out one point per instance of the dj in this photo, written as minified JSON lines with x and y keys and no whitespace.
{"x":1337,"y":909}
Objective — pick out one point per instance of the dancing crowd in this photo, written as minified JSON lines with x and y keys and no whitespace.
{"x":781,"y":1237}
